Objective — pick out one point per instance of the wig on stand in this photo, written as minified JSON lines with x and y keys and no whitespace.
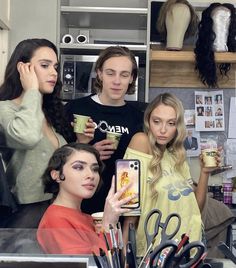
{"x":176,"y":22}
{"x":216,"y":33}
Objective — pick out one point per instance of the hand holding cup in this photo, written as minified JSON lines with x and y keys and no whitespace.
{"x":211,"y":159}
{"x":84,"y":128}
{"x":80,"y":122}
{"x":115,"y":137}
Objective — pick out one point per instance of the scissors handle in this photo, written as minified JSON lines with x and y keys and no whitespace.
{"x":200,"y":250}
{"x":165,"y":235}
{"x":151,"y":235}
{"x":155,"y":255}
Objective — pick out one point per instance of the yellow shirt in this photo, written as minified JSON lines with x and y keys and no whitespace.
{"x":174,"y":195}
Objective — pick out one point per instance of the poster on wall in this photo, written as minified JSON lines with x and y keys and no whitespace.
{"x":209,"y":110}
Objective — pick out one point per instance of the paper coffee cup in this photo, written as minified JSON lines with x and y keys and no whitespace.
{"x":115,"y":137}
{"x":209,"y":157}
{"x":97,"y":216}
{"x":80,"y":123}
{"x":97,"y":221}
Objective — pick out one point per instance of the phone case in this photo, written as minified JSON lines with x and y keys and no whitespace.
{"x":128,"y":170}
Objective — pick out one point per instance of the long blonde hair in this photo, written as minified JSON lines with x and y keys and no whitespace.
{"x":161,"y":26}
{"x":175,"y":146}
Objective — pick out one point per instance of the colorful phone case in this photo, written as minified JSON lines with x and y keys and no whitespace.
{"x":128,"y":170}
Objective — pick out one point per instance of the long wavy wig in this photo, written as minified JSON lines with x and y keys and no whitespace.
{"x":204,"y":53}
{"x":176,"y":145}
{"x":12,"y":87}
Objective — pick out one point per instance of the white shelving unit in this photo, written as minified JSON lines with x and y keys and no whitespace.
{"x":107,"y":22}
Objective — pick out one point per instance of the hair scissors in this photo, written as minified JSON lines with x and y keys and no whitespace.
{"x":180,"y":259}
{"x":150,"y":235}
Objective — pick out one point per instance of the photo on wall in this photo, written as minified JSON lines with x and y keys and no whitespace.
{"x":189,"y":118}
{"x":192,"y":142}
{"x":209,"y":110}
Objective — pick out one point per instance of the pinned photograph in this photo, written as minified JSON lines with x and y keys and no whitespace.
{"x":192,"y":142}
{"x":189,"y":117}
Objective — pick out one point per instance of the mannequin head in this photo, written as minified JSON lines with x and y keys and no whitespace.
{"x":177,"y":21}
{"x":221,"y":20}
{"x":217,"y":31}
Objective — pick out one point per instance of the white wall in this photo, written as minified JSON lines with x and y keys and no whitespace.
{"x":4,"y":26}
{"x":3,"y":52}
{"x":4,"y":14}
{"x":33,"y":19}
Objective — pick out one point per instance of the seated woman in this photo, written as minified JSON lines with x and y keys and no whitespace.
{"x":73,"y":174}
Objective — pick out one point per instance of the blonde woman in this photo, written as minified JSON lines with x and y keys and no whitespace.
{"x":166,"y":182}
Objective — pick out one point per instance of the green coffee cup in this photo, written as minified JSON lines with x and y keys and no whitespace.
{"x":80,"y":123}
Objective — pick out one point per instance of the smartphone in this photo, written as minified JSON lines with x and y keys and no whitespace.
{"x":128,"y":170}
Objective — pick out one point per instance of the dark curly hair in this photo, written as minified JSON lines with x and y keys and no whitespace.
{"x":58,"y":160}
{"x":116,"y":51}
{"x":204,"y":53}
{"x":12,"y":87}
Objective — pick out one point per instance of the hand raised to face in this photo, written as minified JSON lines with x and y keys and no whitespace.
{"x":28,"y":76}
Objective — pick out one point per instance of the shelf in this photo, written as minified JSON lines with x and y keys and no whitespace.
{"x":177,"y":74}
{"x":122,"y":10}
{"x":188,"y":56}
{"x":177,"y":68}
{"x":100,"y":18}
{"x":100,"y":46}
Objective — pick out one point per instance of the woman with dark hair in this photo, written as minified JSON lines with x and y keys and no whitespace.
{"x":116,"y":75}
{"x":33,"y":124}
{"x":216,"y":33}
{"x":73,"y":174}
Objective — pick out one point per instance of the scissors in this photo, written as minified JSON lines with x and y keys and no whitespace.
{"x":150,"y":235}
{"x":178,"y":259}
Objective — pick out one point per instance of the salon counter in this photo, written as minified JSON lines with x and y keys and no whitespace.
{"x":226,"y":263}
{"x":23,"y":240}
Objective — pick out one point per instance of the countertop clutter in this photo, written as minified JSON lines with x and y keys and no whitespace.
{"x":25,"y":253}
